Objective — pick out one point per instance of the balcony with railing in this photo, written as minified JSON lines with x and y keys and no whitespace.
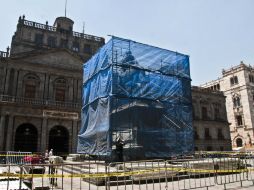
{"x":54,"y":29}
{"x":39,"y":102}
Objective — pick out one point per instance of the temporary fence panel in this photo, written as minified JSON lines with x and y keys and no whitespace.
{"x":14,"y":157}
{"x":178,"y":174}
{"x":136,"y":92}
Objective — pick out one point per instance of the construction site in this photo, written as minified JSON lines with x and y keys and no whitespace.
{"x":133,"y":93}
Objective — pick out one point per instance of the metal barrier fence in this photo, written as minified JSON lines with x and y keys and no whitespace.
{"x":202,"y":172}
{"x":14,"y":157}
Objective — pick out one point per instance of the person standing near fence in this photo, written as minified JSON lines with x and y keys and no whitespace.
{"x":50,"y":153}
{"x":46,"y":155}
{"x":52,"y":172}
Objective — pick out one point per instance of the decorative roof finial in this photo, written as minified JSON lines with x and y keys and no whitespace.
{"x":8,"y":50}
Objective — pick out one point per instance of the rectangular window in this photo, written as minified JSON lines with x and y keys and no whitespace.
{"x":75,"y":46}
{"x":236,"y":102}
{"x":220,"y":135}
{"x":239,"y":120}
{"x":87,"y":49}
{"x":251,"y":78}
{"x":207,"y":133}
{"x":52,"y":41}
{"x":60,"y":94}
{"x":204,"y":113}
{"x":30,"y":91}
{"x":233,"y":80}
{"x":38,"y":39}
{"x":64,"y":43}
{"x":216,"y":114}
{"x":196,"y":136}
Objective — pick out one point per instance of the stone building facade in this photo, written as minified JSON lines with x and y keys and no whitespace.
{"x":237,"y":83}
{"x":211,"y":128}
{"x":40,"y":86}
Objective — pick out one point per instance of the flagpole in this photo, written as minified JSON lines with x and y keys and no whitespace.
{"x":65,"y":8}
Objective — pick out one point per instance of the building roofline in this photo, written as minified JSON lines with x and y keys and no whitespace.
{"x":32,"y":24}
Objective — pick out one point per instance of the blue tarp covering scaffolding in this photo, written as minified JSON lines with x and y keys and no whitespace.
{"x":140,"y":94}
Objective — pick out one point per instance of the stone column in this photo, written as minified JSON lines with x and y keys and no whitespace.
{"x":46,"y":87}
{"x":3,"y":76}
{"x":7,"y":79}
{"x":79,"y":98}
{"x":74,"y":136}
{"x":20,"y":85}
{"x":15,"y":83}
{"x":2,"y":126}
{"x":70,"y":93}
{"x":44,"y":138}
{"x":10,"y":134}
{"x":75,"y":90}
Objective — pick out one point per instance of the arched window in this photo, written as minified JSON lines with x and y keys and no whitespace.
{"x":60,"y":89}
{"x":31,"y":83}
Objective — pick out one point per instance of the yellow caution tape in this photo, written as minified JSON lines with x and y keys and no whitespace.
{"x":122,"y":174}
{"x":214,"y":152}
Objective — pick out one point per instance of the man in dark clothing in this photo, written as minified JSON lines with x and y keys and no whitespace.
{"x":119,"y":149}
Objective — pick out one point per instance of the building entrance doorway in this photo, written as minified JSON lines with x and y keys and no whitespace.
{"x":239,"y":142}
{"x":59,"y":140}
{"x":26,"y":138}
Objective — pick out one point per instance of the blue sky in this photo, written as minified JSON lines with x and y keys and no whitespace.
{"x":216,"y":34}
